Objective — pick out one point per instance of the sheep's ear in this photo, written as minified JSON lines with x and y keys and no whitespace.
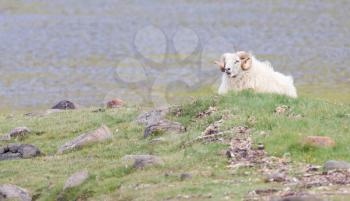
{"x":246,"y":60}
{"x":221,"y":65}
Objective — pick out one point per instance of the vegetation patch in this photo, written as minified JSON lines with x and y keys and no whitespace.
{"x":205,"y":162}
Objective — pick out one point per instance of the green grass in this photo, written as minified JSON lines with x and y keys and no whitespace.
{"x":211,"y":179}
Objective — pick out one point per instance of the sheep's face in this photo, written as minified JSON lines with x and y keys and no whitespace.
{"x":234,"y":63}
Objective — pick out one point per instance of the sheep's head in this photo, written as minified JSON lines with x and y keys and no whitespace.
{"x":234,"y":63}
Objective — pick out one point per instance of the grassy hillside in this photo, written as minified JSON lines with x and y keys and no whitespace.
{"x":211,"y":178}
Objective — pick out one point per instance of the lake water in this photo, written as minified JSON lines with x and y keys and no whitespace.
{"x":159,"y":52}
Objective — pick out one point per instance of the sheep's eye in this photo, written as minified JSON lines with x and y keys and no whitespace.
{"x":236,"y":61}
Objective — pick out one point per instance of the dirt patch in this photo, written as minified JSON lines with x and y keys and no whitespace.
{"x":334,"y":177}
{"x":206,"y":113}
{"x":297,"y":179}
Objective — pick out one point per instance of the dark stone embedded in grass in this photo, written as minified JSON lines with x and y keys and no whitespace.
{"x":18,"y":151}
{"x":76,"y":179}
{"x":185,"y":175}
{"x":101,"y":134}
{"x":275,"y":177}
{"x":12,"y":192}
{"x":336,"y":165}
{"x":16,"y":132}
{"x":265,"y":191}
{"x":298,"y":198}
{"x":163,"y":126}
{"x":153,"y":116}
{"x":141,"y":161}
{"x":261,"y":146}
{"x":99,"y":110}
{"x":65,"y":105}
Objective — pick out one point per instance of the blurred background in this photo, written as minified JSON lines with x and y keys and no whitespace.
{"x":157,"y":52}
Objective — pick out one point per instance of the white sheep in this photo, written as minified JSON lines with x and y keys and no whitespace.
{"x":241,"y":70}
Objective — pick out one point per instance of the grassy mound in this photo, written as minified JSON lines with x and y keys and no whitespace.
{"x":110,"y":179}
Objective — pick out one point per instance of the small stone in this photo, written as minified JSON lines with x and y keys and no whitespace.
{"x":115,"y":103}
{"x":261,"y":146}
{"x":163,"y":126}
{"x":76,"y":179}
{"x":101,"y":134}
{"x":275,"y":177}
{"x":230,"y":154}
{"x":141,"y":161}
{"x":99,"y":110}
{"x":65,"y":105}
{"x":184,"y":176}
{"x":9,"y":191}
{"x":16,"y":132}
{"x":334,"y":165}
{"x":319,"y":141}
{"x":265,"y":191}
{"x":19,"y":131}
{"x":152,"y":116}
{"x":298,"y":198}
{"x":313,"y":168}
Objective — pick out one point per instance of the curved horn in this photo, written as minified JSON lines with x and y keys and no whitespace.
{"x":246,"y":60}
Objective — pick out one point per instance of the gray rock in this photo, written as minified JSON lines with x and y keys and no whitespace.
{"x":28,"y":151}
{"x":101,"y":134}
{"x":163,"y":126}
{"x":76,"y":179}
{"x":2,"y":150}
{"x":16,"y":132}
{"x":275,"y":177}
{"x":298,"y":198}
{"x":13,"y":148}
{"x":141,"y":161}
{"x":152,"y":116}
{"x":65,"y":105}
{"x":10,"y":156}
{"x":184,"y":176}
{"x":9,"y":191}
{"x":332,"y":165}
{"x":17,"y":151}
